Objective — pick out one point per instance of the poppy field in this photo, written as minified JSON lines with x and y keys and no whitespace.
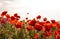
{"x":11,"y":27}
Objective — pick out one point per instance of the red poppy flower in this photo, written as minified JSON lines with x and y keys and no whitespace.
{"x":18,"y":16}
{"x":32,"y":22}
{"x":26,"y":18}
{"x":38,"y":26}
{"x":38,"y":17}
{"x":7,"y":15}
{"x":58,"y":37}
{"x":4,"y":13}
{"x":42,"y":23}
{"x":59,"y":31}
{"x":46,"y":34}
{"x":54,"y":24}
{"x":50,"y":33}
{"x":58,"y":26}
{"x":47,"y":21}
{"x":2,"y":21}
{"x":12,"y":18}
{"x":18,"y":25}
{"x":56,"y":33}
{"x":53,"y":21}
{"x":44,"y":19}
{"x":36,"y":36}
{"x":30,"y":28}
{"x":15,"y":14}
{"x":48,"y":27}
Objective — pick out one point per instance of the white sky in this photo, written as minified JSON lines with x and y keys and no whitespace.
{"x":45,"y":8}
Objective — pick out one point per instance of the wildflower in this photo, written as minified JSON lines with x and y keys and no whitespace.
{"x":4,"y":13}
{"x":18,"y":25}
{"x":26,"y":18}
{"x":56,"y":33}
{"x":38,"y":17}
{"x":44,"y":19}
{"x":12,"y":18}
{"x":58,"y":37}
{"x":30,"y":28}
{"x":32,"y":22}
{"x":36,"y":36}
{"x":16,"y":15}
{"x":38,"y":26}
{"x":58,"y":26}
{"x":7,"y":16}
{"x":48,"y":27}
{"x":42,"y":23}
{"x":46,"y":34}
{"x":3,"y":20}
{"x":47,"y":21}
{"x":53,"y":21}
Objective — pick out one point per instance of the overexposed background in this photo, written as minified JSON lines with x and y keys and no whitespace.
{"x":45,"y":8}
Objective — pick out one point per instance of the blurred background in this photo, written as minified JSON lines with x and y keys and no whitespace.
{"x":45,"y":8}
